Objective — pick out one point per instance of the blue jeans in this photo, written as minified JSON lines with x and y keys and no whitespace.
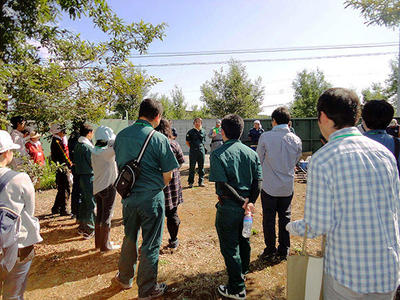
{"x":13,"y":284}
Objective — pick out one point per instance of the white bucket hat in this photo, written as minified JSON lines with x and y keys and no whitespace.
{"x":6,"y":142}
{"x":104,"y":133}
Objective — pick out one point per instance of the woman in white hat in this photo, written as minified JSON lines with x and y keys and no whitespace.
{"x":17,"y":197}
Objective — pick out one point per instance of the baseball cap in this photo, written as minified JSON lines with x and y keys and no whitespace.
{"x":6,"y":143}
{"x":257,"y":122}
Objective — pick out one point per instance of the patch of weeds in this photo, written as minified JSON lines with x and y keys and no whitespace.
{"x":163,"y":262}
{"x":254,"y":231}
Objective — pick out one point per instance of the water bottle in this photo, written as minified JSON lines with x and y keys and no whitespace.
{"x":247,"y":223}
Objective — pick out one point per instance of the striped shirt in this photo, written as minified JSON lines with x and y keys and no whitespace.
{"x":353,"y":197}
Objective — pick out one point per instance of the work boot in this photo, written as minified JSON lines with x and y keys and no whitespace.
{"x":105,"y":244}
{"x":97,"y":236}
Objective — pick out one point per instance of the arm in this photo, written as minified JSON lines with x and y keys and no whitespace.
{"x":167,"y":176}
{"x":230,"y":192}
{"x":261,"y":151}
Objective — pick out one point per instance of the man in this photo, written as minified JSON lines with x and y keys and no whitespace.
{"x":279,"y":151}
{"x":83,"y":167}
{"x":236,"y":171}
{"x":254,"y":134}
{"x":60,"y":154}
{"x":145,"y":207}
{"x":17,"y":195}
{"x":376,"y":115}
{"x":76,"y":191}
{"x":215,"y":136}
{"x":353,"y":198}
{"x":195,"y":139}
{"x":17,"y":134}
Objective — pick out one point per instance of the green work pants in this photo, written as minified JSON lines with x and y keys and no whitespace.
{"x":196,"y":156}
{"x":234,"y":247}
{"x":143,"y":210}
{"x":86,"y":207}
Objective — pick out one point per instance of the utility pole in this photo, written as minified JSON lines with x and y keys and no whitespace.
{"x":398,"y":80}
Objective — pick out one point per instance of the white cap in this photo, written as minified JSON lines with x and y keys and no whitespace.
{"x":393,"y":123}
{"x":6,"y":142}
{"x":257,"y":122}
{"x":55,"y":128}
{"x":104,"y":133}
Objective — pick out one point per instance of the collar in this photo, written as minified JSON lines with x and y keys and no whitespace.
{"x":231,"y":141}
{"x":375,"y":132}
{"x":344,"y":132}
{"x":281,"y":126}
{"x":85,"y":140}
{"x":17,"y":132}
{"x":143,"y":123}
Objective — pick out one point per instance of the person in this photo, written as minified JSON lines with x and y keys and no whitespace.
{"x":290,"y":124}
{"x":237,"y":174}
{"x":353,"y":199}
{"x":173,"y":130}
{"x":105,"y":173}
{"x":76,"y":196}
{"x":144,"y":208}
{"x":215,"y":136}
{"x":254,"y":134}
{"x":34,"y":148}
{"x":18,"y":124}
{"x":195,"y":139}
{"x":376,"y":115}
{"x":83,"y":167}
{"x":393,"y":129}
{"x":173,"y":191}
{"x":60,"y":154}
{"x":18,"y":195}
{"x":279,"y":151}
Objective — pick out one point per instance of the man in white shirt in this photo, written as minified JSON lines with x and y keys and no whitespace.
{"x":17,"y":195}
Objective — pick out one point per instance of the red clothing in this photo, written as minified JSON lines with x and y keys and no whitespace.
{"x":36,"y":152}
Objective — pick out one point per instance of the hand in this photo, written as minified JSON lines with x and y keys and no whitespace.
{"x":248,"y":207}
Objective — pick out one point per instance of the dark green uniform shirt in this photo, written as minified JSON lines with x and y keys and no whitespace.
{"x":83,"y":159}
{"x":235,"y":164}
{"x":196,"y":139}
{"x":157,"y":159}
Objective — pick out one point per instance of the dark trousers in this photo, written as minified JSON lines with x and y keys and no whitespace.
{"x":173,"y":222}
{"x":234,"y":247}
{"x":63,"y":192}
{"x":196,"y":156}
{"x":75,"y":194}
{"x":270,"y":206}
{"x":86,"y":208}
{"x":105,"y":205}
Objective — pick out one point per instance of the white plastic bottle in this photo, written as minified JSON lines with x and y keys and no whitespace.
{"x":247,"y":224}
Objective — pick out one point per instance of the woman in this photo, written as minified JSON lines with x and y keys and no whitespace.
{"x":34,"y":148}
{"x":105,"y":173}
{"x":173,"y":191}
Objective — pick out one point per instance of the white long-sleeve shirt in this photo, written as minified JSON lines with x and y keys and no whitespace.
{"x":104,"y":168}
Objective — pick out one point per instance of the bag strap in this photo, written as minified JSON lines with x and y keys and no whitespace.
{"x":6,"y":178}
{"x":397,"y":151}
{"x":304,"y":248}
{"x":146,"y":142}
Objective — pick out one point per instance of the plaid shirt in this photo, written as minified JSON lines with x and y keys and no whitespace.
{"x":173,"y":191}
{"x":353,"y":197}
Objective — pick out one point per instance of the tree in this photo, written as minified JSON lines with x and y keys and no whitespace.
{"x":374,"y":92}
{"x":308,"y":86}
{"x":232,"y":92}
{"x":79,"y":79}
{"x":179,"y":104}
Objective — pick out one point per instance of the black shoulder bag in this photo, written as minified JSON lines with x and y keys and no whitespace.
{"x":130,"y":172}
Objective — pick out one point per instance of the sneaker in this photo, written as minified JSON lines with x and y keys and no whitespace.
{"x":190,"y":185}
{"x":158,"y":290}
{"x":88,"y":235}
{"x":173,"y":244}
{"x":268,"y":257}
{"x":202,"y":185}
{"x":125,"y":286}
{"x":81,"y":231}
{"x":223,"y":290}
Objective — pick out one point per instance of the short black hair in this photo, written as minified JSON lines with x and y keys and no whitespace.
{"x":15,"y":120}
{"x":281,"y":115}
{"x":201,"y":120}
{"x":85,"y":129}
{"x":340,"y":105}
{"x":165,"y":128}
{"x":377,"y":114}
{"x":150,"y":109}
{"x":232,"y":125}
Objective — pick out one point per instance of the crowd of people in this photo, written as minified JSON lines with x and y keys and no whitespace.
{"x":352,"y":198}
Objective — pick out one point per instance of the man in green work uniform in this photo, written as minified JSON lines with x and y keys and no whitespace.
{"x":195,"y":139}
{"x":145,"y":207}
{"x":83,"y":167}
{"x":237,"y":173}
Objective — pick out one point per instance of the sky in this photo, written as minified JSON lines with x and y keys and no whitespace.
{"x":206,"y":25}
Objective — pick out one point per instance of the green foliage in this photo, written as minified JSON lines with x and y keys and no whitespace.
{"x":79,"y":80}
{"x":374,"y":92}
{"x":232,"y":92}
{"x":392,"y":81}
{"x":200,"y":112}
{"x":377,"y":12}
{"x":174,"y":107}
{"x":308,"y":86}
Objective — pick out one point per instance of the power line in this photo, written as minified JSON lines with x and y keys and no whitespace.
{"x":266,"y":50}
{"x":266,"y":60}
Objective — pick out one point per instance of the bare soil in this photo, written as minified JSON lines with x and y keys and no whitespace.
{"x":67,"y":267}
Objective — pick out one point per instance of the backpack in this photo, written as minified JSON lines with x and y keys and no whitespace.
{"x":10,"y":222}
{"x":130,"y":172}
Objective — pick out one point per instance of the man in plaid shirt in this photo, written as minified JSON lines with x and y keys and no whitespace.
{"x":353,"y":198}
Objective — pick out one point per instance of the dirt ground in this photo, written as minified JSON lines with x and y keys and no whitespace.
{"x":67,"y":267}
